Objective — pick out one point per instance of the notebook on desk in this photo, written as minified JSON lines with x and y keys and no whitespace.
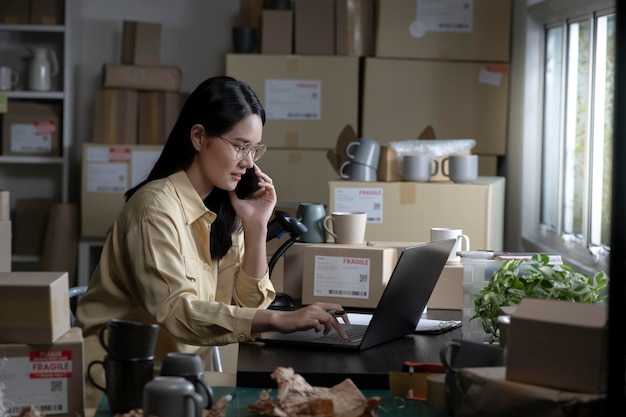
{"x":399,"y":309}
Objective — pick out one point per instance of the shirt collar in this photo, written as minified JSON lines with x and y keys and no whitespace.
{"x":192,"y":204}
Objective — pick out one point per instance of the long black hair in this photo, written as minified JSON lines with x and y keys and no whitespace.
{"x":218,"y":104}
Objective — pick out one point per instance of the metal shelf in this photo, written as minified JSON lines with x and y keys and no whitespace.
{"x":36,"y":95}
{"x":7,"y":159}
{"x":32,"y":28}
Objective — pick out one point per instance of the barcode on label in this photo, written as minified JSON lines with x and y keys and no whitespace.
{"x":347,"y":292}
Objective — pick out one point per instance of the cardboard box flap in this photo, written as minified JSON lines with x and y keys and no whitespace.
{"x":563,"y":312}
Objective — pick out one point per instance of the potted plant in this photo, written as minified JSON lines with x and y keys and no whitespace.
{"x":534,"y":277}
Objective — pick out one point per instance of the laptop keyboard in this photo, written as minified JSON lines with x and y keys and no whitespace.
{"x":355,"y":332}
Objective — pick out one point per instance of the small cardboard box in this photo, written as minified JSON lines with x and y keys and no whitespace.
{"x":558,"y":344}
{"x":47,"y":376}
{"x":108,"y":171}
{"x":141,"y":77}
{"x":352,"y":275}
{"x":31,"y":129}
{"x":277,"y":32}
{"x":141,"y":43}
{"x":34,"y":307}
{"x":115,"y":116}
{"x":314,"y":27}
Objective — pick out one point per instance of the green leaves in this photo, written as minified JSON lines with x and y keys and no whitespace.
{"x":535,"y":277}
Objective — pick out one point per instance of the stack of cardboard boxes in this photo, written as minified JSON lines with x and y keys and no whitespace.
{"x":135,"y":108}
{"x":42,"y":354}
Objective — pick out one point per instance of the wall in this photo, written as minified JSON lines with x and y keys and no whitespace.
{"x":196,"y":35}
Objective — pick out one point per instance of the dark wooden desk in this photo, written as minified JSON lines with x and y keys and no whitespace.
{"x":369,"y":369}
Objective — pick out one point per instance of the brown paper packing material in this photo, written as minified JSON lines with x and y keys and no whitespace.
{"x":115,"y":116}
{"x":158,"y":111}
{"x":60,"y":248}
{"x":140,"y":77}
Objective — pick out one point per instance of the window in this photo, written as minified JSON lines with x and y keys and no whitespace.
{"x":575,"y":121}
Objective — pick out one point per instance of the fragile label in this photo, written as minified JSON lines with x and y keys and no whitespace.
{"x":340,"y":276}
{"x":293,"y":99}
{"x":40,"y":379}
{"x":31,"y":137}
{"x":353,"y":199}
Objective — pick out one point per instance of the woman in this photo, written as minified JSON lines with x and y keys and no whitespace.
{"x":185,"y":252}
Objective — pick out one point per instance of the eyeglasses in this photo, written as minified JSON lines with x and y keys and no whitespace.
{"x":255,"y":151}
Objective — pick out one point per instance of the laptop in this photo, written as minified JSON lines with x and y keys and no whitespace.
{"x":399,"y":309}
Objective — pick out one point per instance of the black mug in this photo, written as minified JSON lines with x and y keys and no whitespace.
{"x":126,"y":340}
{"x":125,"y":380}
{"x":244,"y":39}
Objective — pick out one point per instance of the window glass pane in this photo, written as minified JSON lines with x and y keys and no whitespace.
{"x":604,"y":72}
{"x":552,"y":126}
{"x":576,"y":127}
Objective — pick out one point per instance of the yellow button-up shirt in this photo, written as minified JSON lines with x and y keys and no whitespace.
{"x":156,"y":267}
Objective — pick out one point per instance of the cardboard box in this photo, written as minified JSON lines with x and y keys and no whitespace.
{"x":308,"y":99}
{"x":355,"y":27}
{"x":277,"y":32}
{"x":116,"y":113}
{"x":14,"y":12}
{"x":30,"y":223}
{"x":352,"y":275}
{"x":141,"y":77}
{"x":47,"y":12}
{"x":405,"y":211}
{"x":558,"y":344}
{"x":158,"y":112}
{"x":108,"y":171}
{"x":448,"y":292}
{"x":31,"y":129}
{"x":298,"y":175}
{"x":250,"y":13}
{"x":460,"y":100}
{"x":49,"y":377}
{"x":5,"y":245}
{"x":314,"y":27}
{"x":469,"y":31}
{"x":141,"y":43}
{"x":35,"y":307}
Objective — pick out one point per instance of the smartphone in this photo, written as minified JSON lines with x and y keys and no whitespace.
{"x":248,"y":184}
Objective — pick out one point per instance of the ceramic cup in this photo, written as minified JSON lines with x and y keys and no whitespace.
{"x":9,"y":78}
{"x":312,"y":215}
{"x":188,"y":366}
{"x":346,"y":227}
{"x":354,"y":171}
{"x":443,"y":233}
{"x":125,"y":339}
{"x":364,"y":151}
{"x":124,"y":381}
{"x":419,"y":168}
{"x":244,"y":39}
{"x":171,"y":396}
{"x":460,"y":168}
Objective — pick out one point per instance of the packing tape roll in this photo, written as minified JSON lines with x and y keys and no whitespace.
{"x":436,"y":390}
{"x":5,"y":205}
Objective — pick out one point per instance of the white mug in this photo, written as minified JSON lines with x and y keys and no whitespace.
{"x":346,"y":227}
{"x":9,"y":78}
{"x":443,"y":233}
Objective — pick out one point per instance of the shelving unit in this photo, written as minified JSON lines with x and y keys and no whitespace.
{"x":39,"y":176}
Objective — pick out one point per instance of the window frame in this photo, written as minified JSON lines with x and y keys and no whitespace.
{"x":534,"y":236}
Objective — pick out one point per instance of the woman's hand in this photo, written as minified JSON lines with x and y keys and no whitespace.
{"x":317,"y":316}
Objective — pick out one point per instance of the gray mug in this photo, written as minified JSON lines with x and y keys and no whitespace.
{"x":460,"y":168}
{"x":364,"y":151}
{"x":171,"y":396}
{"x":188,"y":366}
{"x":419,"y":168}
{"x":354,"y":171}
{"x":312,"y":215}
